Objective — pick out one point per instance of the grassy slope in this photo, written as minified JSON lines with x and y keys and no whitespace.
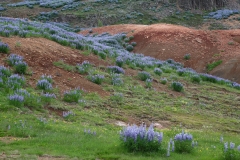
{"x":205,"y":110}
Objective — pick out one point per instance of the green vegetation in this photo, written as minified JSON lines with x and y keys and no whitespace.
{"x":211,"y":66}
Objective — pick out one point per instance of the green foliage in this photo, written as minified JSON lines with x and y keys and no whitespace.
{"x":211,"y":66}
{"x":144,"y":75}
{"x":196,"y":79}
{"x":21,"y":67}
{"x":102,"y":55}
{"x":187,"y":56}
{"x":177,"y":86}
{"x":72,"y":96}
{"x":183,"y":146}
{"x":65,"y":66}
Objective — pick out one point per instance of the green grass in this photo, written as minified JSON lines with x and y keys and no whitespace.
{"x":65,"y":66}
{"x":213,"y":65}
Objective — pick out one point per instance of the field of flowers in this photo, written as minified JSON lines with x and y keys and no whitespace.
{"x":84,"y":120}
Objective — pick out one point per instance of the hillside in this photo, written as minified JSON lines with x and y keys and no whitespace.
{"x":173,"y":42}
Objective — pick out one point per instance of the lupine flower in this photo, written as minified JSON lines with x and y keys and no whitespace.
{"x":232,"y":145}
{"x":67,"y":113}
{"x":44,"y":84}
{"x":238,"y":148}
{"x":4,"y":48}
{"x":168,"y":149}
{"x":13,"y":59}
{"x":116,"y":69}
{"x":226,"y":146}
{"x":221,"y":138}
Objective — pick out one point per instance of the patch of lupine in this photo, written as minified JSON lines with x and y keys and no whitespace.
{"x":16,"y":100}
{"x":89,"y":132}
{"x":119,"y":61}
{"x":116,"y":79}
{"x":195,"y":79}
{"x":2,"y":8}
{"x":67,"y":113}
{"x":221,"y":14}
{"x":143,"y":75}
{"x":139,"y":138}
{"x":24,"y":3}
{"x":158,"y":71}
{"x":4,"y":48}
{"x":48,"y":78}
{"x":180,"y":72}
{"x":98,"y":79}
{"x":71,"y":6}
{"x":22,"y":92}
{"x":148,"y":83}
{"x":44,"y":84}
{"x":21,"y":67}
{"x":163,"y":80}
{"x":183,"y":142}
{"x":117,"y":97}
{"x":4,"y":72}
{"x":47,"y":97}
{"x":115,"y":69}
{"x":73,"y":95}
{"x":46,"y":16}
{"x":231,"y":152}
{"x":177,"y":86}
{"x":84,"y":67}
{"x":15,"y":81}
{"x":13,"y":59}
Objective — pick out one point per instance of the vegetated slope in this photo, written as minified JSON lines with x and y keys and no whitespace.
{"x":40,"y":54}
{"x":164,"y":41}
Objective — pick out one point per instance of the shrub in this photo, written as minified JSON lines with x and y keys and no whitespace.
{"x":180,"y":72}
{"x":163,"y":80}
{"x":136,"y":138}
{"x":15,"y":81}
{"x":44,"y":84}
{"x":20,"y":67}
{"x":102,"y":55}
{"x":13,"y":59}
{"x":116,"y":79}
{"x":187,"y":56}
{"x":129,"y":48}
{"x":195,"y":79}
{"x":84,"y":67}
{"x":72,"y":96}
{"x":158,"y":71}
{"x":4,"y":72}
{"x":134,"y":43}
{"x":98,"y":79}
{"x":183,"y":142}
{"x":47,"y":97}
{"x":143,"y":75}
{"x":166,"y":69}
{"x":177,"y":86}
{"x":4,"y":48}
{"x":148,"y":83}
{"x":115,"y":69}
{"x":48,"y":78}
{"x":231,"y":153}
{"x":119,"y":62}
{"x":16,"y":100}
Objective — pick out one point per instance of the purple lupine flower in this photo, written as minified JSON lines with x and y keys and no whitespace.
{"x":116,"y":69}
{"x":44,"y":84}
{"x":13,"y":59}
{"x":225,"y":147}
{"x":238,"y":148}
{"x":232,"y":145}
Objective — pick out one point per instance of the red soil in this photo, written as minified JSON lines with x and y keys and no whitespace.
{"x":40,"y":53}
{"x":164,"y":41}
